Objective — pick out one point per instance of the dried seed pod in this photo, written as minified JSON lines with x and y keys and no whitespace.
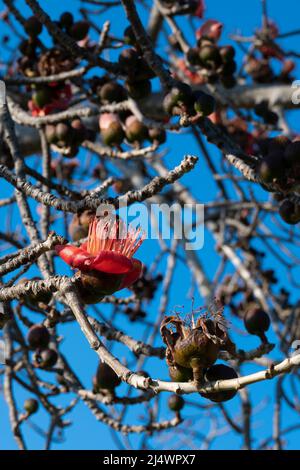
{"x":195,"y":346}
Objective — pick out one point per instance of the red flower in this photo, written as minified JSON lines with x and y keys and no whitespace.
{"x":60,"y":101}
{"x":107,"y":253}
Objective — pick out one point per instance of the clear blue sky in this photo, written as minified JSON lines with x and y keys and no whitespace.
{"x":86,"y":433}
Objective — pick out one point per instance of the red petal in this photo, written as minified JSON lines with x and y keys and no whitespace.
{"x":112,"y":263}
{"x":75,"y":256}
{"x":133,"y":275}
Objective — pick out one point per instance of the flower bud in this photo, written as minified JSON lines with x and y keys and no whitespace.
{"x":38,"y":337}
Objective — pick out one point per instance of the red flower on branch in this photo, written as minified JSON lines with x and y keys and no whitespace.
{"x":107,"y":254}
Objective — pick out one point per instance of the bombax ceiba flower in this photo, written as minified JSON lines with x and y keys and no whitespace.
{"x":194,"y":346}
{"x":105,"y":261}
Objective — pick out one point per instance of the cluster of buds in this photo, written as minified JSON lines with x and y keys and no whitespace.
{"x":147,"y":285}
{"x":67,"y":136}
{"x":181,"y":100}
{"x":178,"y":7}
{"x":280,"y":165}
{"x":259,"y":66}
{"x":210,"y":61}
{"x":37,"y":61}
{"x":193,"y":347}
{"x":135,"y":68}
{"x":116,"y":128}
{"x":38,"y":339}
{"x":256,"y":320}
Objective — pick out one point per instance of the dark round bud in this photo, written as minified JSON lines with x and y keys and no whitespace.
{"x":228,"y":81}
{"x":106,"y":378}
{"x":209,"y":54}
{"x":46,"y":358}
{"x":289,"y":212}
{"x":38,"y":337}
{"x":180,"y":374}
{"x":28,"y":48}
{"x":272,"y":166}
{"x":256,"y":321}
{"x":31,"y":406}
{"x":220,"y":372}
{"x":78,"y":131}
{"x":142,"y":71}
{"x":176,"y":402}
{"x":50,"y":132}
{"x":193,"y":56}
{"x":292,"y":153}
{"x":128,"y":59}
{"x":179,"y":95}
{"x":79,"y":30}
{"x":112,"y":92}
{"x":227,"y":53}
{"x":33,"y":26}
{"x":111,"y":129}
{"x":271,"y":118}
{"x":157,"y":135}
{"x":278,"y":143}
{"x":129,"y":37}
{"x":229,"y":68}
{"x":140,"y":89}
{"x":66,"y":20}
{"x":204,"y":103}
{"x":63,"y":132}
{"x":135,"y":130}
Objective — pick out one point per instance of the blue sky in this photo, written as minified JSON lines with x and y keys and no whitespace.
{"x":86,"y":433}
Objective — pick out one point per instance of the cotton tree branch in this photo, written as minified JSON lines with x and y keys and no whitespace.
{"x":92,"y":201}
{"x":157,"y":385}
{"x":67,"y":42}
{"x":31,"y":253}
{"x":137,"y":347}
{"x":153,"y":60}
